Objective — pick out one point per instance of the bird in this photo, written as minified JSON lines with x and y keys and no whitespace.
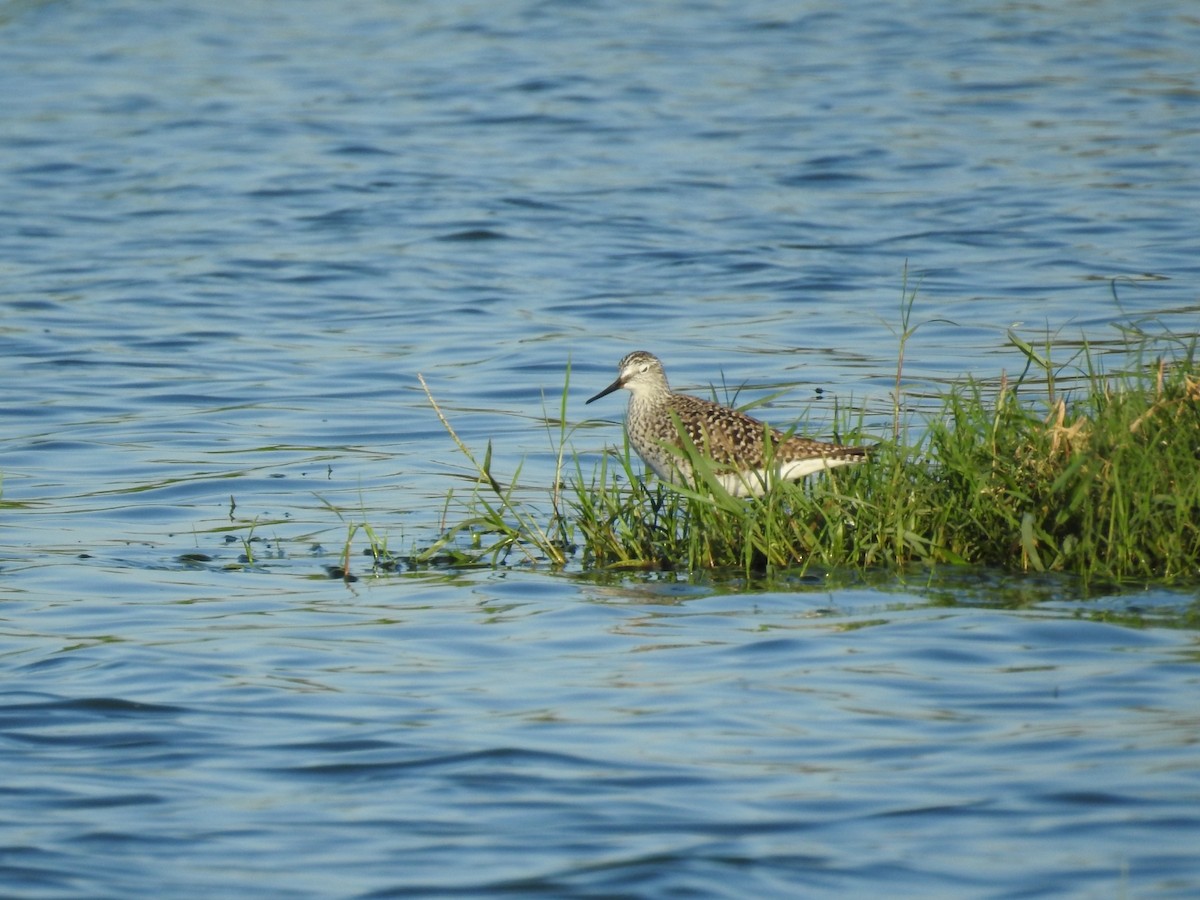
{"x":747,"y":454}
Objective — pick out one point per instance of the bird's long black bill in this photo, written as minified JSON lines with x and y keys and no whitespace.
{"x":616,"y":385}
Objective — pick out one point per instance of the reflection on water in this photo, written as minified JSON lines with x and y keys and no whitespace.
{"x":234,"y":235}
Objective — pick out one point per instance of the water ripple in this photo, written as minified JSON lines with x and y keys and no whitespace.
{"x":230,"y":246}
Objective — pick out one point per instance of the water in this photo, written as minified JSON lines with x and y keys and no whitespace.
{"x":232,"y":235}
{"x":514,"y":734}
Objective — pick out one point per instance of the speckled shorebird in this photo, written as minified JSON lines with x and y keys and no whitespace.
{"x":736,"y":443}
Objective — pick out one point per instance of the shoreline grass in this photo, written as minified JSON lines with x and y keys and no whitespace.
{"x":1099,"y":479}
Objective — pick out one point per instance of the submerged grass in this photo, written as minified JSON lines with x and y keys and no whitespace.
{"x":1100,"y":479}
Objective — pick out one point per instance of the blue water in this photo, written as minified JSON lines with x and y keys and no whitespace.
{"x":231,"y":235}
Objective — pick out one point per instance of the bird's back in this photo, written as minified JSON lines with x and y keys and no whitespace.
{"x":730,"y":438}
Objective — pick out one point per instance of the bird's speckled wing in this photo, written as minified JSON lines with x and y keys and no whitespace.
{"x":728,"y":437}
{"x":735,"y":440}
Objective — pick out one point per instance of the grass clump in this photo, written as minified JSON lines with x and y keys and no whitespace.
{"x":626,"y":523}
{"x":1100,"y":478}
{"x":1103,"y":483}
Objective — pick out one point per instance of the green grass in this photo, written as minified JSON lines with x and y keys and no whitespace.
{"x":1063,"y":469}
{"x":497,"y":521}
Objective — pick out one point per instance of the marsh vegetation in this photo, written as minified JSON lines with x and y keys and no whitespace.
{"x":1063,"y":467}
